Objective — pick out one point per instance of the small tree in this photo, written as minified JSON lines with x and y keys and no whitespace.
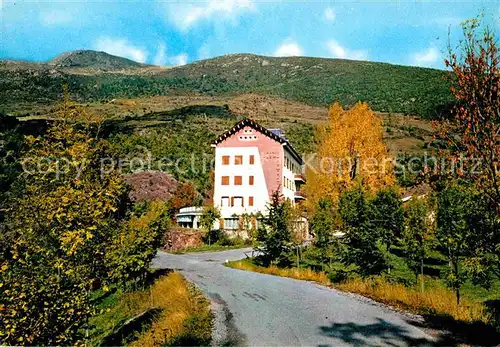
{"x":453,"y":232}
{"x":322,"y":227}
{"x":388,"y":215}
{"x":134,"y":246}
{"x":274,"y":234}
{"x":417,"y":237}
{"x":210,"y":215}
{"x":362,"y":241}
{"x":474,"y":129}
{"x":185,"y":195}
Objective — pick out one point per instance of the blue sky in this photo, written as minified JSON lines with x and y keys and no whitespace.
{"x":177,"y":32}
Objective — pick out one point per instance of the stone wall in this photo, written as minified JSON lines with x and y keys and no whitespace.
{"x":179,"y":238}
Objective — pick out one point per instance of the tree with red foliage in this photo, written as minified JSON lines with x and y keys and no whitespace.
{"x":470,"y":203}
{"x":185,"y":195}
{"x":473,"y":132}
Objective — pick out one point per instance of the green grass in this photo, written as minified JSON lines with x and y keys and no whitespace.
{"x":209,"y":248}
{"x":434,"y":266}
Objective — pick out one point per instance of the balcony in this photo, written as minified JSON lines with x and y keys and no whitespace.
{"x":299,"y":195}
{"x":300,"y":178}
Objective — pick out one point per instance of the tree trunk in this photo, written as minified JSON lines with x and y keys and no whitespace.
{"x":422,"y":286}
{"x":388,"y":248}
{"x":454,"y":268}
{"x":298,"y":260}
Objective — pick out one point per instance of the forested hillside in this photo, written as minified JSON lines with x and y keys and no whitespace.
{"x":96,"y":76}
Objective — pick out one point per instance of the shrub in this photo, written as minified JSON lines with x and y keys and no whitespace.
{"x":216,"y":236}
{"x":338,"y":272}
{"x":56,"y":234}
{"x":134,"y":245}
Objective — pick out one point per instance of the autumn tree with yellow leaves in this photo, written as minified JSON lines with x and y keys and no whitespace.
{"x":67,"y":234}
{"x":350,"y":152}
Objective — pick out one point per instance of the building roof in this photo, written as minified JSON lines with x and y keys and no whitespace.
{"x":274,"y":134}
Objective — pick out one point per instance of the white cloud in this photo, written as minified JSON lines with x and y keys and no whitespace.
{"x":204,"y":51}
{"x":179,"y":60}
{"x":121,"y":47}
{"x":161,"y":55}
{"x":288,"y":49}
{"x":330,"y":14}
{"x":427,"y":57}
{"x":185,"y":16}
{"x":55,"y":18}
{"x":338,"y":51}
{"x":162,"y":58}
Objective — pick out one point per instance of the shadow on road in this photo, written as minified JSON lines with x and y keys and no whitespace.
{"x":462,"y":333}
{"x":451,"y":333}
{"x":375,"y":334}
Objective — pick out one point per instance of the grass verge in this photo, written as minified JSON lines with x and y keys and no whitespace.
{"x":208,"y":248}
{"x":433,"y":301}
{"x":300,"y":274}
{"x":181,"y":315}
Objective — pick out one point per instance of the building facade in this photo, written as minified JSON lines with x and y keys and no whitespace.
{"x":251,"y":163}
{"x":189,"y":217}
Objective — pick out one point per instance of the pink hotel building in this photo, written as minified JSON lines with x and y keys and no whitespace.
{"x":252,"y":162}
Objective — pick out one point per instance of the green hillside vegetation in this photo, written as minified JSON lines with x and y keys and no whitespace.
{"x":95,"y":76}
{"x":92,"y":59}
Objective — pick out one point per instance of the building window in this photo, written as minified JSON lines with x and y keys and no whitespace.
{"x":250,"y":180}
{"x":238,"y":160}
{"x":237,"y":201}
{"x":252,"y":159}
{"x":225,"y":180}
{"x":250,"y":201}
{"x":225,"y":160}
{"x":224,"y":201}
{"x":231,"y":223}
{"x":238,"y":181}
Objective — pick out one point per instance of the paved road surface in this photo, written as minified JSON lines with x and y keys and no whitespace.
{"x":261,"y":310}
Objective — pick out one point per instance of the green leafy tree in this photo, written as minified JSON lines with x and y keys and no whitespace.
{"x":362,"y":242}
{"x":388,"y":215}
{"x":453,"y":232}
{"x":134,"y":245}
{"x":323,"y":226}
{"x":210,"y":215}
{"x":417,"y":236}
{"x":53,"y":249}
{"x":275,"y":232}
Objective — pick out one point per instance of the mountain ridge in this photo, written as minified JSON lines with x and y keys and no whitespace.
{"x":94,"y":59}
{"x":61,"y":57}
{"x":97,"y":76}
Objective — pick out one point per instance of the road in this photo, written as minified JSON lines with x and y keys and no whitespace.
{"x":261,"y":310}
